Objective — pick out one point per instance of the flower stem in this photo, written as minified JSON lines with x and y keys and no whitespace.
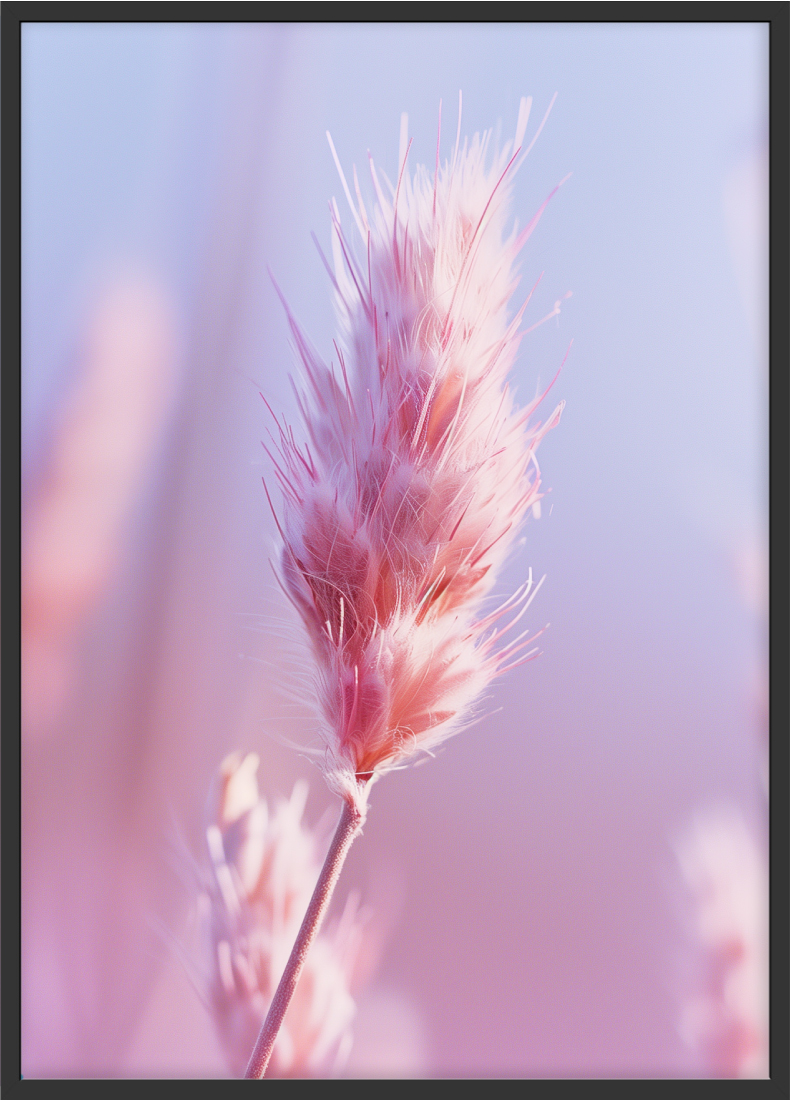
{"x":347,"y":828}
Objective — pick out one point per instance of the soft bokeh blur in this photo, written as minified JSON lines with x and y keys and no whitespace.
{"x":538,"y":918}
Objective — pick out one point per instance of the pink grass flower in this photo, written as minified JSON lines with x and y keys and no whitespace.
{"x":419,"y":467}
{"x":727,"y":1022}
{"x":264,"y":864}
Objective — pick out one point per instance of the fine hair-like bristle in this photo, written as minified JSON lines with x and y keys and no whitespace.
{"x":418,"y":469}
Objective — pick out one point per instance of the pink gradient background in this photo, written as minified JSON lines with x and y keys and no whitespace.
{"x":536,"y":921}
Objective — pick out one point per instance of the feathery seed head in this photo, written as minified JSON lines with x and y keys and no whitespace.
{"x":418,"y":469}
{"x":264,"y":866}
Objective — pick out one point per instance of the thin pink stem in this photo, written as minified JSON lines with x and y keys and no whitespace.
{"x":347,"y":829}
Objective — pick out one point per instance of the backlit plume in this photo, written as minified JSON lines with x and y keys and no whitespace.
{"x":418,"y":469}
